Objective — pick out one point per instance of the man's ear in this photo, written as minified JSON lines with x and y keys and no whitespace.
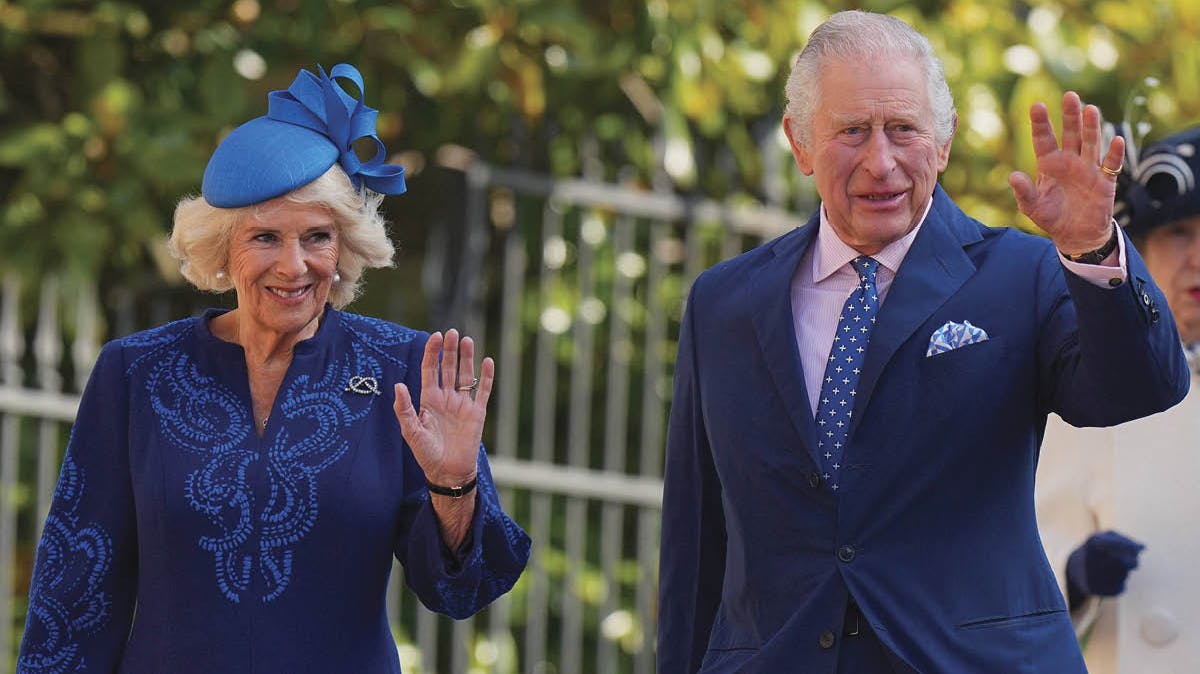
{"x":944,"y":150}
{"x":803,"y":161}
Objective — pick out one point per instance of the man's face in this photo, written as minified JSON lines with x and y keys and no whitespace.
{"x":1172,"y":254}
{"x":872,"y":149}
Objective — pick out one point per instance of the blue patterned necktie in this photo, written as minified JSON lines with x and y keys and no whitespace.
{"x":836,"y":404}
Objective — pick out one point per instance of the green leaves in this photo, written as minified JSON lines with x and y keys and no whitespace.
{"x":111,"y":109}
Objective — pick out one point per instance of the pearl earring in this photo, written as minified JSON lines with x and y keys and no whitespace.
{"x":337,"y":278}
{"x":220,"y":274}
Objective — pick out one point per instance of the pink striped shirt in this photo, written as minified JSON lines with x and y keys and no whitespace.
{"x":823,"y":280}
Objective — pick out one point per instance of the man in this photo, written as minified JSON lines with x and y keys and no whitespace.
{"x":862,"y":502}
{"x":1137,"y":477}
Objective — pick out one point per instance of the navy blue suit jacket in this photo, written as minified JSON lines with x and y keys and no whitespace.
{"x":934,"y":532}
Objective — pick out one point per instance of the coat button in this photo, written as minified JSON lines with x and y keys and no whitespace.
{"x":846,"y":553}
{"x":1159,"y":627}
{"x":814,"y":479}
{"x":826,"y":640}
{"x":1115,"y":281}
{"x":1145,"y":298}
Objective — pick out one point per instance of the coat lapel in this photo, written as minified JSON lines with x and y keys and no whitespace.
{"x":769,"y":300}
{"x":934,"y":269}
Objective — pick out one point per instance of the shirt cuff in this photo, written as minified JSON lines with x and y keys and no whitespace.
{"x":1102,"y":274}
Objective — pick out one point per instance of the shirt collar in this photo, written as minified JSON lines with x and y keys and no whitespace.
{"x":833,"y":253}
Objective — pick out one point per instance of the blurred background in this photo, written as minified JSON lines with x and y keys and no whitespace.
{"x":572,"y":166}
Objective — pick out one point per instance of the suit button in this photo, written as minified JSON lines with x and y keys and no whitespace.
{"x":846,"y":553}
{"x":814,"y":479}
{"x":1115,"y":281}
{"x":826,"y":640}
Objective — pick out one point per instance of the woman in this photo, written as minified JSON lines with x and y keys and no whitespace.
{"x":236,"y":485}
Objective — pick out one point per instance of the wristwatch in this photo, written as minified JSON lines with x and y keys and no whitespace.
{"x":1100,"y":254}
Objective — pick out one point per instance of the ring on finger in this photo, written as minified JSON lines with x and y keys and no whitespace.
{"x":1110,"y":171}
{"x":470,"y":387}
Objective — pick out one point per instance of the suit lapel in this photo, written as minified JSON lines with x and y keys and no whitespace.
{"x":935,"y":267}
{"x":769,"y":300}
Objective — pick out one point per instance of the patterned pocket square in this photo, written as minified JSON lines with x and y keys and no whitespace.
{"x":953,"y":335}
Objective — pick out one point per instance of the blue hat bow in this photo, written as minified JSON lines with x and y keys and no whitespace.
{"x":308,"y":127}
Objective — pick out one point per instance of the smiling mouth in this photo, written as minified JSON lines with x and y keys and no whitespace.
{"x":289,"y":294}
{"x":882,"y":197}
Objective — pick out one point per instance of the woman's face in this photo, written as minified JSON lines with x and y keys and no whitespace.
{"x":1172,"y":254}
{"x":281,"y":261}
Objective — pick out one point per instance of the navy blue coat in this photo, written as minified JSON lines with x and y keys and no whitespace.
{"x":179,"y":541}
{"x":933,"y":532}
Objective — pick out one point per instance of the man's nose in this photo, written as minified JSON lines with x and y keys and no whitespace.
{"x":880,"y":155}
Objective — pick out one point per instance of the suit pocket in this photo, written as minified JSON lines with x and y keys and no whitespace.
{"x":1004,"y":622}
{"x":975,"y":374}
{"x":726,"y":660}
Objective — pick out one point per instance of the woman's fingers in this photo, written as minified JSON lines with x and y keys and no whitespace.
{"x":429,"y":363}
{"x":466,"y":363}
{"x":450,"y":360}
{"x":406,"y":414}
{"x":487,"y":375}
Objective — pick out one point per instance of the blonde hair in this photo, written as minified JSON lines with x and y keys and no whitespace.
{"x":201,"y":236}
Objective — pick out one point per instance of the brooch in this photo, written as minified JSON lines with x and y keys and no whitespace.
{"x":363,"y":385}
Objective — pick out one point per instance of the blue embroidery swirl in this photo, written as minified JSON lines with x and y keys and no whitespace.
{"x":66,"y":601}
{"x":200,"y":416}
{"x":310,"y":441}
{"x":203,"y":417}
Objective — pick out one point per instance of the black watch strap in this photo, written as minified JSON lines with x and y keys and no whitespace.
{"x":1100,"y":254}
{"x":453,"y":492}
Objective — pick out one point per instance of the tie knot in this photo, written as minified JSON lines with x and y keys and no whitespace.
{"x":866,"y":267}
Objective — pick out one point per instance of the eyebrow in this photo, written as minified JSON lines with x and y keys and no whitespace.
{"x":840,"y":119}
{"x":261,"y":228}
{"x":848,"y":119}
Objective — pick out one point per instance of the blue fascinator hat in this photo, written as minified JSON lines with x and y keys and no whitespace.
{"x":307,"y":128}
{"x":1158,"y":183}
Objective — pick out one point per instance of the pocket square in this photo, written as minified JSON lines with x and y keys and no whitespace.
{"x":953,"y":335}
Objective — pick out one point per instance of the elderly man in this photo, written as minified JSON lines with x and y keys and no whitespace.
{"x":858,"y":404}
{"x":1092,"y":481}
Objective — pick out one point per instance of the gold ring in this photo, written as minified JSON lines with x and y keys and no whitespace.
{"x":473,"y":385}
{"x":1112,"y":172}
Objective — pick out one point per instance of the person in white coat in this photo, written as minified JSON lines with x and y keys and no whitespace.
{"x":1116,"y":506}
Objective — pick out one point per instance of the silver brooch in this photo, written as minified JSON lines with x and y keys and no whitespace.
{"x":363,"y":385}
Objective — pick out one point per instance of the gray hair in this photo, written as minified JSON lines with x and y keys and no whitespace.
{"x":202,"y":233}
{"x":857,"y":35}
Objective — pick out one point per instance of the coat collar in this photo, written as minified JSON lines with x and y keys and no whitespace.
{"x":934,"y":269}
{"x":769,"y":299}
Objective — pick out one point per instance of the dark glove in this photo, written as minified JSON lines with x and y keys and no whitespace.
{"x":1100,"y":566}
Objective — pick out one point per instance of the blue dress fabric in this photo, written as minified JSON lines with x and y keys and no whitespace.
{"x":179,"y":541}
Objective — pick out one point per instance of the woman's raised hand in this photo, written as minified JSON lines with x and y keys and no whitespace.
{"x":446,"y":432}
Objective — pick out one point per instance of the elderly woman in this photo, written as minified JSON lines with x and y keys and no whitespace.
{"x":236,"y":484}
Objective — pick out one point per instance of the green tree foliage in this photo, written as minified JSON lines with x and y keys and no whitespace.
{"x":109,"y":109}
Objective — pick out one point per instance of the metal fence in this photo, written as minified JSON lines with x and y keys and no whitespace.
{"x":577,"y":288}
